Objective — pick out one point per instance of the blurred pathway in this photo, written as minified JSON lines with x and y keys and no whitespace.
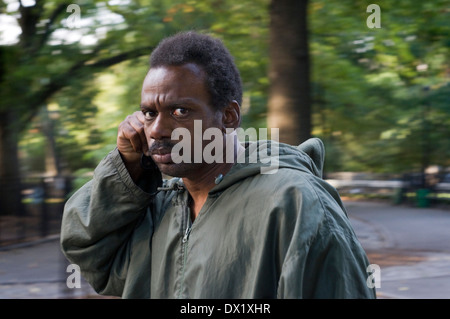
{"x":37,"y":270}
{"x":411,"y":246}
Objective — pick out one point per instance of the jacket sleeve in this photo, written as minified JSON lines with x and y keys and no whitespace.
{"x":98,"y":222}
{"x":324,"y":258}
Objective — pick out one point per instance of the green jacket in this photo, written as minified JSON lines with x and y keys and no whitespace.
{"x":258,"y":235}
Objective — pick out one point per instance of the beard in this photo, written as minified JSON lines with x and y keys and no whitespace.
{"x":182,"y":170}
{"x":161,"y":153}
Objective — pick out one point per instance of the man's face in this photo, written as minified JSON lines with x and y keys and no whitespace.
{"x":173,"y":97}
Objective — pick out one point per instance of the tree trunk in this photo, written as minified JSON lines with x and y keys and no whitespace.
{"x":17,"y":63}
{"x":52,"y":163}
{"x":289,"y":106}
{"x":10,"y":183}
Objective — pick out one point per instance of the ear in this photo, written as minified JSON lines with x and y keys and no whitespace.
{"x":231,"y":115}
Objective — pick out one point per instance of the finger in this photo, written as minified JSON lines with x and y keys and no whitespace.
{"x":137,"y":122}
{"x":140,"y":116}
{"x":128,"y":138}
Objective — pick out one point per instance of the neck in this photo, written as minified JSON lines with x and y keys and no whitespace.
{"x":203,"y":182}
{"x":200,"y":183}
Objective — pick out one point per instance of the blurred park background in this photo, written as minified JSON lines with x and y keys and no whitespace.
{"x":373,"y":85}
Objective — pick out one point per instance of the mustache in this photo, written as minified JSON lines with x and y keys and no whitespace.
{"x":161,"y":146}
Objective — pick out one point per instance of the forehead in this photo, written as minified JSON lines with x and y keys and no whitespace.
{"x":184,"y":79}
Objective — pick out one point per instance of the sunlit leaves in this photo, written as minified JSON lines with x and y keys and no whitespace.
{"x":374,"y":91}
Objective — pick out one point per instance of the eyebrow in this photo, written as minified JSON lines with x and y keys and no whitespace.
{"x":177,"y":103}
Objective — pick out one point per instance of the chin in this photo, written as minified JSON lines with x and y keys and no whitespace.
{"x":179,"y":170}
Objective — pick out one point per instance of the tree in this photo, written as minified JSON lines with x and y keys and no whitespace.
{"x":372,"y":92}
{"x":379,"y":93}
{"x":58,"y":59}
{"x":289,"y":95}
{"x":44,"y":61}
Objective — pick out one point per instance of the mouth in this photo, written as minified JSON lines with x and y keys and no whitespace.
{"x":162,"y":156}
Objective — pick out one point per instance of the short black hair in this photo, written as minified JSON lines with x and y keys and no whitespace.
{"x":223,"y":80}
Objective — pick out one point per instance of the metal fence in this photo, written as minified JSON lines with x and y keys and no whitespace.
{"x":410,"y":189}
{"x":43,"y":200}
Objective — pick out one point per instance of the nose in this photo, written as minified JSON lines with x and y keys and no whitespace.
{"x":160,"y":128}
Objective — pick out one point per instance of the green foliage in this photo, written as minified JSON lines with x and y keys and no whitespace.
{"x":380,"y":96}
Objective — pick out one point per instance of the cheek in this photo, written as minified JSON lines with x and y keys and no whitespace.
{"x":147,"y":129}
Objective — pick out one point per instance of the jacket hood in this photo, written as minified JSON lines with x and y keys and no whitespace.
{"x":266,"y":157}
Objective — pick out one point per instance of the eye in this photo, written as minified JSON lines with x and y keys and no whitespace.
{"x":180,"y":111}
{"x":149,"y":115}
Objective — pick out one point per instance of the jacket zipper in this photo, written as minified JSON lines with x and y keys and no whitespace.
{"x":185,"y":244}
{"x":186,"y":233}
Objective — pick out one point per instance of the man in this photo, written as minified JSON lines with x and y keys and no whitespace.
{"x":217,"y":229}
